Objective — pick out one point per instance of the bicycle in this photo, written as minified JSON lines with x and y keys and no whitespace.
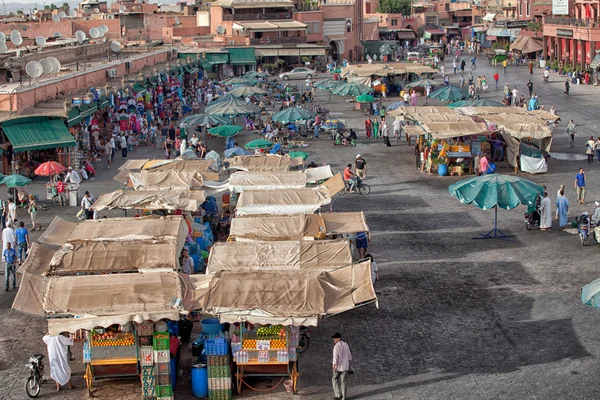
{"x":362,"y":187}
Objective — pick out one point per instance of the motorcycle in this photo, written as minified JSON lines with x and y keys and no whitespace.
{"x":583,"y":228}
{"x":33,"y":386}
{"x":304,"y":339}
{"x":532,"y":219}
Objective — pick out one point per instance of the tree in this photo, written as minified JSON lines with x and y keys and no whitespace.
{"x":395,"y":7}
{"x":65,"y":6}
{"x":535,"y":27}
{"x":19,"y":12}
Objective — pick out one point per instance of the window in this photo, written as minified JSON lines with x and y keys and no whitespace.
{"x":527,"y":8}
{"x":447,"y":6}
{"x":430,"y":19}
{"x":348,"y":26}
{"x":284,"y":33}
{"x":313,"y":27}
{"x":520,"y":8}
{"x":368,"y":8}
{"x":394,"y":22}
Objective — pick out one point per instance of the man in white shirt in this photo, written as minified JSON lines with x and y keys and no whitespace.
{"x":341,"y":366}
{"x":194,"y":140}
{"x":8,"y":236}
{"x":113,"y":147}
{"x":73,"y":177}
{"x":187,"y":263}
{"x":396,"y":125}
{"x":515,"y":98}
{"x":123,"y":146}
{"x":406,"y":96}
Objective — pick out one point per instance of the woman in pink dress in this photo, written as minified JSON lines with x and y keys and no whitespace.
{"x":413,"y":98}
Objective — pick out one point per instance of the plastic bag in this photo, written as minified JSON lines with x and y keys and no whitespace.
{"x":80,"y":214}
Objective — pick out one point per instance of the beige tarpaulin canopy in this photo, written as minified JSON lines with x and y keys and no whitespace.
{"x":150,"y":200}
{"x":166,"y":180}
{"x":202,"y":166}
{"x":298,"y":297}
{"x":240,"y":181}
{"x":425,"y":111}
{"x":268,"y":163}
{"x":385,"y":69}
{"x":301,"y":254}
{"x":295,"y":227}
{"x":133,"y":165}
{"x":520,"y":126}
{"x":58,"y":232}
{"x":283,"y":201}
{"x":526,"y":44}
{"x":454,"y":129}
{"x":314,"y":175}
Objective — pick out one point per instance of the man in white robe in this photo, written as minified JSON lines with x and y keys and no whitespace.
{"x":58,"y":358}
{"x":546,"y":213}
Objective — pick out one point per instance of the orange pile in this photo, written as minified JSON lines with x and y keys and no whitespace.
{"x":278,"y":344}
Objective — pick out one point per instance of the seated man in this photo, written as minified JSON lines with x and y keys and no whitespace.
{"x":350,"y":178}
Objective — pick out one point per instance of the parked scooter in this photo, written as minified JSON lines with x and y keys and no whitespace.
{"x":583,"y":228}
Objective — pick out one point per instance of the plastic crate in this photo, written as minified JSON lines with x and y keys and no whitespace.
{"x":164,"y":390}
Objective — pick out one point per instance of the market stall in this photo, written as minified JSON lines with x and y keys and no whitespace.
{"x":283,"y":201}
{"x":150,"y":200}
{"x":168,"y":180}
{"x":240,"y":181}
{"x":267,"y":163}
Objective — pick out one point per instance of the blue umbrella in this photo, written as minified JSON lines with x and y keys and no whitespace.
{"x":395,"y":105}
{"x":236,"y":151}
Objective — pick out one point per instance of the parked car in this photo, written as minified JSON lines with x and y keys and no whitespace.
{"x":298,"y":73}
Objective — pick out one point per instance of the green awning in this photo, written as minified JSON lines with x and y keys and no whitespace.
{"x":216,"y":58}
{"x":242,"y":56}
{"x":103,"y":102}
{"x":73,"y":117}
{"x":138,"y":88}
{"x":193,"y":56}
{"x":37,"y":133}
{"x":86,"y":110}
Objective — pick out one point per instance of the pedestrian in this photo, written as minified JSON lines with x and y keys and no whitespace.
{"x":530,"y":67}
{"x":590,"y":149}
{"x":473,"y":66}
{"x":360,"y":166}
{"x":61,"y":192}
{"x":12,"y":211}
{"x":123,"y":146}
{"x":3,"y":213}
{"x":561,"y":187}
{"x":545,"y":213}
{"x":397,"y":127}
{"x":530,"y":87}
{"x":597,"y":148}
{"x":86,"y":205}
{"x":571,"y":131}
{"x":454,"y":66}
{"x":58,"y":358}
{"x":504,"y":64}
{"x":580,"y":186}
{"x":368,"y":127}
{"x":476,"y":163}
{"x":341,"y":366}
{"x":484,"y":84}
{"x":362,"y":244}
{"x":417,"y":155}
{"x":462,"y":65}
{"x":187,"y":263}
{"x":113,"y":147}
{"x":373,"y":268}
{"x":562,"y":205}
{"x":32,"y":209}
{"x":8,"y":236}
{"x":375,"y":128}
{"x":515,"y":96}
{"x":496,"y":79}
{"x":9,"y":255}
{"x":22,"y":241}
{"x":108,"y":153}
{"x":567,"y":87}
{"x":385,"y":133}
{"x":483,"y":164}
{"x":384,"y":91}
{"x":462,"y":81}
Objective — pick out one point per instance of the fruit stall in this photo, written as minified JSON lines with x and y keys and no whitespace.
{"x":269,"y":351}
{"x":110,"y":353}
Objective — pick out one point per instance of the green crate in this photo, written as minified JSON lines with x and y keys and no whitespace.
{"x":164,"y":391}
{"x":161,"y":344}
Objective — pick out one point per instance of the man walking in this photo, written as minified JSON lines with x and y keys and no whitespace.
{"x":86,"y":205}
{"x":567,"y":87}
{"x":571,"y":131}
{"x":530,"y":66}
{"x":454,"y":66}
{"x":341,"y":366}
{"x":473,"y":66}
{"x":22,"y":241}
{"x":580,"y":186}
{"x":496,"y":79}
{"x":504,"y":64}
{"x":360,"y":166}
{"x":530,"y":87}
{"x":9,"y":255}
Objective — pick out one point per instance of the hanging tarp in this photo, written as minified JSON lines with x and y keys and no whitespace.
{"x":166,"y":180}
{"x":150,"y":200}
{"x":284,"y":201}
{"x":240,"y":181}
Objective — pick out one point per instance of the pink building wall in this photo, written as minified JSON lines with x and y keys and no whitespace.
{"x":311,"y":16}
{"x":28,"y":96}
{"x":179,"y":33}
{"x":114,"y":26}
{"x":344,"y":11}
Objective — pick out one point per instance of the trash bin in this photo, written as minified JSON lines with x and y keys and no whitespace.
{"x":74,"y":198}
{"x":199,"y":381}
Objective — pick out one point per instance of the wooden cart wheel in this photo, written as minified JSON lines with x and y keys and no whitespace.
{"x":88,"y":378}
{"x":238,"y":380}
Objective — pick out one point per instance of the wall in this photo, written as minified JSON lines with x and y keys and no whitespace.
{"x":169,"y":34}
{"x":334,"y":13}
{"x":311,"y":16}
{"x":370,"y":31}
{"x":45,"y":29}
{"x":67,"y":55}
{"x":203,"y":18}
{"x":114,"y":26}
{"x":26,"y":97}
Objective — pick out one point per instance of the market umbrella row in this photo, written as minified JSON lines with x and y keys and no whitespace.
{"x":351,"y":89}
{"x":293,"y":114}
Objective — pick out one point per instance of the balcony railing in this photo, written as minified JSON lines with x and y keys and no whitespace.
{"x":281,"y":40}
{"x":570,"y":21}
{"x":257,"y":17}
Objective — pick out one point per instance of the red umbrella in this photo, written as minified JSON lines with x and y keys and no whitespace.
{"x":50,"y":168}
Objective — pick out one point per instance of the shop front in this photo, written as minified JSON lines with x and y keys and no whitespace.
{"x":29,"y":141}
{"x":574,"y":46}
{"x":242,"y":59}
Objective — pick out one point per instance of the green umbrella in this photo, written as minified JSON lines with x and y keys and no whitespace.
{"x":258,"y":144}
{"x":294,"y":154}
{"x":239,"y":81}
{"x":254,"y":75}
{"x":365,"y":98}
{"x":423,"y":83}
{"x":493,"y":191}
{"x":245,"y":91}
{"x":15,"y":180}
{"x":477,"y":103}
{"x":449,"y":93}
{"x":205,"y":120}
{"x":225,"y":130}
{"x":351,"y":89}
{"x":232,"y":106}
{"x":293,"y":114}
{"x":327,"y":83}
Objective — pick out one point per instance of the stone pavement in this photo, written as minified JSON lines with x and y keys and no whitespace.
{"x":456,"y":319}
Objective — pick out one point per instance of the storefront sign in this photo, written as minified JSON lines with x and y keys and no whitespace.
{"x":561,"y":32}
{"x":560,"y":7}
{"x":516,"y":24}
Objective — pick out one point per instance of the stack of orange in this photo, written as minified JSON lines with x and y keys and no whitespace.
{"x":278,"y":344}
{"x":249,"y":344}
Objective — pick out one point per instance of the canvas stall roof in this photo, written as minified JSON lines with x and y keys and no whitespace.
{"x":423,"y":110}
{"x":115,"y":256}
{"x":202,"y":166}
{"x":150,"y":200}
{"x":153,"y":228}
{"x":122,"y":177}
{"x":166,"y":180}
{"x":58,"y":232}
{"x":38,"y":259}
{"x":455,"y":129}
{"x":133,"y":165}
{"x":288,"y":297}
{"x":283,"y":201}
{"x":333,"y":186}
{"x":295,"y":227}
{"x":37,"y":133}
{"x":260,"y":163}
{"x":240,"y":181}
{"x":521,"y":126}
{"x":303,"y":254}
{"x":102,"y":300}
{"x":526,"y":44}
{"x":313,"y":175}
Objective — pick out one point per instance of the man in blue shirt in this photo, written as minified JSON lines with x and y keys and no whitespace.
{"x":580,"y":186}
{"x":22,"y":241}
{"x":10,"y":255}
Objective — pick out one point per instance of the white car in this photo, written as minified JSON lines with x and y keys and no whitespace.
{"x":298,"y":73}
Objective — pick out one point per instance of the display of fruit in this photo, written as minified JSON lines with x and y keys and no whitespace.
{"x":249,"y":344}
{"x":111,"y":339}
{"x":273,"y":330}
{"x":278,"y":344}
